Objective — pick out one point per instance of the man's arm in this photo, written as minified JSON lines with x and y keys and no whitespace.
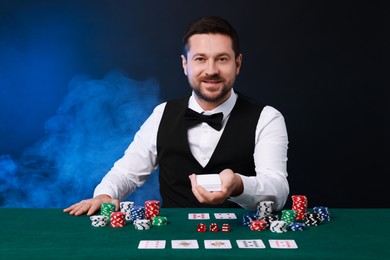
{"x":270,"y":156}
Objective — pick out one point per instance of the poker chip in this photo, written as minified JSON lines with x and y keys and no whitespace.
{"x":159,"y":221}
{"x":117,"y":219}
{"x":137,"y":212}
{"x":312,"y":219}
{"x":106,"y":209}
{"x":300,"y":204}
{"x":152,"y":208}
{"x":278,"y":226}
{"x":288,"y":216}
{"x":247,"y":218}
{"x":125,"y":207}
{"x":213,"y":227}
{"x":264,"y":208}
{"x":323,"y":212}
{"x":270,"y":218}
{"x":142,"y":224}
{"x":297,"y":226}
{"x":258,"y":225}
{"x":201,"y":227}
{"x":98,"y":221}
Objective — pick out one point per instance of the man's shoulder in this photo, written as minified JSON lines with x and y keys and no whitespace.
{"x":250,"y":101}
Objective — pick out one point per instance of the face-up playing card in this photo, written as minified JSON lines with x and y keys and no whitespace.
{"x":198,"y":216}
{"x":185,"y":244}
{"x":253,"y":244}
{"x":217,"y":244}
{"x":151,"y":244}
{"x":225,"y":216}
{"x":284,"y":244}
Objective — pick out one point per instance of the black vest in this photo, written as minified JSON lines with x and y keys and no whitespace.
{"x":234,"y":151}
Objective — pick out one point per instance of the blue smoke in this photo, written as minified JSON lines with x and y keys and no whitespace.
{"x":91,"y":130}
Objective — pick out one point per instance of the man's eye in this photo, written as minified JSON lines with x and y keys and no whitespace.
{"x":199,"y":59}
{"x":223,"y":59}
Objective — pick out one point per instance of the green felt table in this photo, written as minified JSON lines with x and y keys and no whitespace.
{"x":52,"y":234}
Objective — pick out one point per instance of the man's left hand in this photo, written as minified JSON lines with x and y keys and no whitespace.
{"x":231,"y":185}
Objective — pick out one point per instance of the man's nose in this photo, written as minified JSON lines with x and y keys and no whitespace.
{"x":211,"y":68}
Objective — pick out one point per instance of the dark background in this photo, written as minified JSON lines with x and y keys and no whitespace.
{"x":318,"y":62}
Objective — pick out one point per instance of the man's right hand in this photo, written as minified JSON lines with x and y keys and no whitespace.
{"x":90,"y":206}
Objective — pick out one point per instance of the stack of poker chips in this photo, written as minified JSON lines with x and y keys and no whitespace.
{"x":98,"y":221}
{"x":152,"y":209}
{"x":137,"y":212}
{"x":300,"y":204}
{"x":117,"y":219}
{"x":247,"y":218}
{"x":258,"y":225}
{"x":288,"y":216}
{"x":106,"y":209}
{"x":264,"y":208}
{"x":297,"y":226}
{"x":312,"y":219}
{"x":323,"y":212}
{"x":125,"y":207}
{"x":278,"y":226}
{"x":270,"y":218}
{"x":159,"y":221}
{"x":142,"y":224}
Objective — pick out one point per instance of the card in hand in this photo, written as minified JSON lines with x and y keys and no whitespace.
{"x":151,"y":244}
{"x":285,"y":244}
{"x":254,"y":243}
{"x":210,"y":182}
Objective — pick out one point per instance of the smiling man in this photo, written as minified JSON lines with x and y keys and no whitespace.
{"x":214,"y":130}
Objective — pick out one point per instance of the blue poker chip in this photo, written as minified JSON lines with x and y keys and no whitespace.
{"x":297,"y":226}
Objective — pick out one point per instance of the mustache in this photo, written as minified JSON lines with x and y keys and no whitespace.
{"x":215,"y":77}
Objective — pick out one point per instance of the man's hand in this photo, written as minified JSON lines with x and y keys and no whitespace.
{"x":231,"y":185}
{"x":90,"y":206}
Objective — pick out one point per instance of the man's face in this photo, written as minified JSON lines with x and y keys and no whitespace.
{"x":211,"y":67}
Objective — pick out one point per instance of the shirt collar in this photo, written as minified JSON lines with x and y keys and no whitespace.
{"x":226,"y":107}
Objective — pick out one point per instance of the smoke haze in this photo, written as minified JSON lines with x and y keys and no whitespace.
{"x":91,"y":130}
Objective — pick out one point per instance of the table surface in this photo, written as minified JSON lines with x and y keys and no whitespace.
{"x":52,"y":234}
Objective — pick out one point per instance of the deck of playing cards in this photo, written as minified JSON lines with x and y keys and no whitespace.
{"x":210,"y":182}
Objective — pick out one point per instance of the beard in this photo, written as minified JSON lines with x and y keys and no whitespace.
{"x":218,"y":96}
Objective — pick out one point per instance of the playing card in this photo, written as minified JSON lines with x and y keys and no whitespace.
{"x":254,"y":244}
{"x":211,"y":182}
{"x":225,"y":216}
{"x":185,"y":244}
{"x":217,"y":244}
{"x":151,"y":244}
{"x":198,"y":216}
{"x":285,"y":244}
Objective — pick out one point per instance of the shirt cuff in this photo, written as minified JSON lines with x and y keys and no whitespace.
{"x":245,"y":200}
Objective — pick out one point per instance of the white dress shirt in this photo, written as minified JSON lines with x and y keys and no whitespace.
{"x":270,"y":156}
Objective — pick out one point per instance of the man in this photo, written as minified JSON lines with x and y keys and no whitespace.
{"x":248,"y":149}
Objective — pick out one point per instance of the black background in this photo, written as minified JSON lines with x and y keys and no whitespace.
{"x":318,"y":62}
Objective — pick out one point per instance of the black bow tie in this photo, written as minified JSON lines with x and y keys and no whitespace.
{"x":193,"y":118}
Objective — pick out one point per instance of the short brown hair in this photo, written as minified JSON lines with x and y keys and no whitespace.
{"x":212,"y":25}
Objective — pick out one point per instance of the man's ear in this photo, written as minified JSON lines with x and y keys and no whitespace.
{"x":238,"y":63}
{"x":184,"y":63}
